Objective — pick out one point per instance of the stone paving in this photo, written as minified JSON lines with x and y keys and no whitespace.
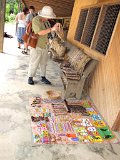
{"x":15,"y":129}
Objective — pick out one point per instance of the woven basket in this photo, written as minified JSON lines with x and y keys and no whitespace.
{"x":53,"y":94}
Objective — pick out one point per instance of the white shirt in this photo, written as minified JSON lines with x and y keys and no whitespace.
{"x":21,"y":20}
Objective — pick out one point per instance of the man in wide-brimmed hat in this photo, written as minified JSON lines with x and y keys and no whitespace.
{"x":39,"y":55}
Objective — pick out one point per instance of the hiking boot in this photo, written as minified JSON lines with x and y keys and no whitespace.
{"x":46,"y":81}
{"x":30,"y":81}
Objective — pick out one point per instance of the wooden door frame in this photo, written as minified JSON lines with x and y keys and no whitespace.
{"x":2,"y":20}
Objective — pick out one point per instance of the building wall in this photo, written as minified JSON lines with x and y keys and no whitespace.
{"x":104,"y":90}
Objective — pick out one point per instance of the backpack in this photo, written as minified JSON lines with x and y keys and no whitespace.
{"x":30,"y":38}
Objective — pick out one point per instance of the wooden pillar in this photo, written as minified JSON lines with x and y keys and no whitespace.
{"x":19,"y":4}
{"x":2,"y":19}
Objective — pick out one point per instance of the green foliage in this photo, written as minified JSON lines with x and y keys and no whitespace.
{"x":11,"y":10}
{"x":7,"y":12}
{"x":12,"y":17}
{"x":11,"y":1}
{"x":15,"y":8}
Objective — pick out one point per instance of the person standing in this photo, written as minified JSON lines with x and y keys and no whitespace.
{"x":21,"y":27}
{"x":39,"y":55}
{"x":31,"y":14}
{"x":29,"y":18}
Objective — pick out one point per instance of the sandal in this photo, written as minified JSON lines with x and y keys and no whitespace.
{"x":24,"y":52}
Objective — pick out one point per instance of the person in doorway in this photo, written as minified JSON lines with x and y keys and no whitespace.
{"x":21,"y":27}
{"x":39,"y":55}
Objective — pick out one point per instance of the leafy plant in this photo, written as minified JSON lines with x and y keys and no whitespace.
{"x":11,"y":10}
{"x":15,"y":8}
{"x":12,"y":17}
{"x":7,"y":12}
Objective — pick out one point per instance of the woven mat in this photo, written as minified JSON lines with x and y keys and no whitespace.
{"x":54,"y":122}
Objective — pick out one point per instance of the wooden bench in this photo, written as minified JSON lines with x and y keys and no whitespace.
{"x":74,"y":71}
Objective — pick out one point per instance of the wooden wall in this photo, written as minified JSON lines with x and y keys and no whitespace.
{"x":2,"y":14}
{"x":105,"y":87}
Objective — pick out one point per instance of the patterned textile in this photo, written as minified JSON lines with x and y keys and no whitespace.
{"x":20,"y":33}
{"x":75,"y":63}
{"x":57,"y":47}
{"x":68,"y":122}
{"x":70,"y":73}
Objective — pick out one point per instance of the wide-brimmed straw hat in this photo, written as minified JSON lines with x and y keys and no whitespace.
{"x":47,"y":12}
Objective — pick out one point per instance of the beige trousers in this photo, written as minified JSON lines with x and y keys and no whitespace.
{"x":38,"y":58}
